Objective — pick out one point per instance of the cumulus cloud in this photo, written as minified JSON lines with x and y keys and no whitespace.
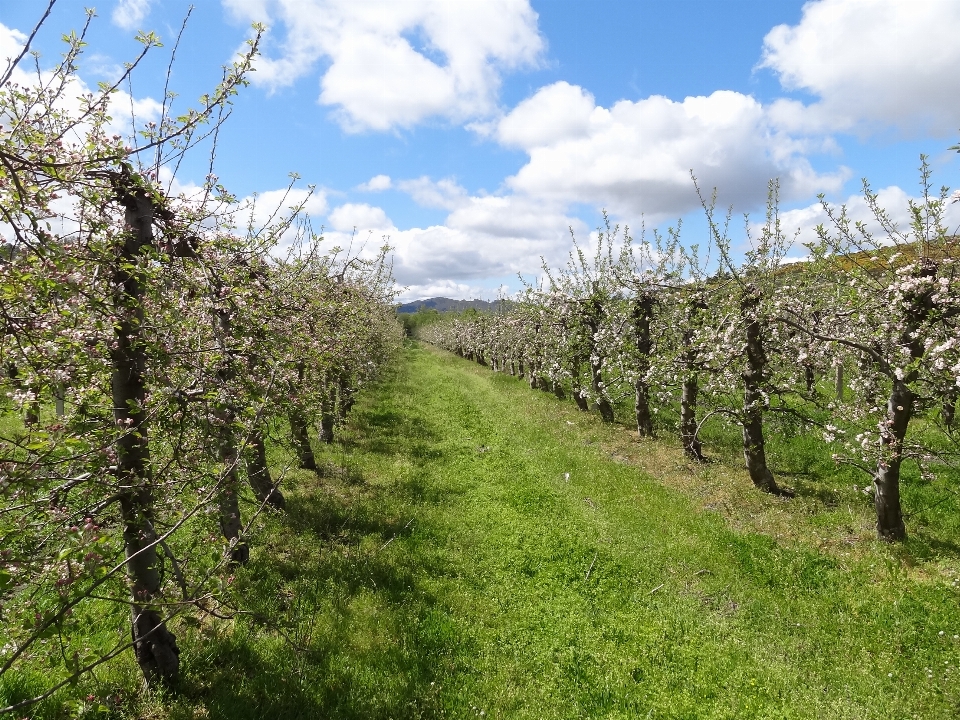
{"x":361,"y":216}
{"x":394,"y":64}
{"x":445,"y":194}
{"x":872,"y":64}
{"x":11,"y":43}
{"x":555,"y":113}
{"x":636,"y":157}
{"x":128,"y":14}
{"x":376,"y":184}
{"x":446,"y":288}
{"x":488,"y":237}
{"x":894,"y":200}
{"x":256,"y":212}
{"x":122,"y":107}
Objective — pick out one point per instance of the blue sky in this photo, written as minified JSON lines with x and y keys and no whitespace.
{"x":474,"y":133}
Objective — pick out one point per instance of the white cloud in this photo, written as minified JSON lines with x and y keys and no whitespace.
{"x":394,"y":64}
{"x":893,"y":199}
{"x":513,"y":220}
{"x":122,"y":108}
{"x":489,"y":237}
{"x":257,"y":211}
{"x":872,"y":63}
{"x":555,"y":113}
{"x":128,"y":14}
{"x":361,"y":216}
{"x":448,"y":289}
{"x":376,"y":184}
{"x":636,"y":157}
{"x":445,"y":194}
{"x":11,"y":43}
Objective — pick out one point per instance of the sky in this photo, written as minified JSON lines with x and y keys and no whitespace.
{"x":474,"y":135}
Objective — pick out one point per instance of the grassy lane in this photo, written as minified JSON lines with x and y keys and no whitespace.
{"x":474,"y":551}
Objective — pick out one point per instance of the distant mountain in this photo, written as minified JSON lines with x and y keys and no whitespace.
{"x":442,"y":304}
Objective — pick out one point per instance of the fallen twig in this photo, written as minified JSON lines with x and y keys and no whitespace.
{"x":590,"y":569}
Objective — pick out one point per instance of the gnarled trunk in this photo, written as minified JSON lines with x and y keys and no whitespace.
{"x":301,"y":440}
{"x":754,"y":446}
{"x":345,"y":396}
{"x":327,"y":409}
{"x":299,"y":429}
{"x":558,"y":390}
{"x":886,"y":481}
{"x":596,"y":380}
{"x":690,"y":388}
{"x":688,"y":417}
{"x":154,"y":646}
{"x":227,"y":500}
{"x":641,"y":408}
{"x":948,"y":409}
{"x":642,"y":319}
{"x":258,"y":473}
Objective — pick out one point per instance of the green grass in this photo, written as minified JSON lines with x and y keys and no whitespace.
{"x":476,"y":549}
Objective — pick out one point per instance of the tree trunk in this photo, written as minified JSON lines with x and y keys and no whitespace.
{"x":154,"y":646}
{"x":886,"y":482}
{"x":227,"y":500}
{"x":258,"y":473}
{"x":688,"y":417}
{"x":689,"y":437}
{"x":301,"y":441}
{"x":558,"y":390}
{"x":809,"y":377}
{"x":59,"y":401}
{"x":641,"y":407}
{"x":642,"y":319}
{"x":603,"y":405}
{"x":580,"y":400}
{"x":327,"y":410}
{"x":596,"y":378}
{"x":299,"y":429}
{"x":949,"y":408}
{"x":754,"y":446}
{"x":838,"y":382}
{"x":345,"y":396}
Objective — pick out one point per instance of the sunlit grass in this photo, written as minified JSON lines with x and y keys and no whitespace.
{"x":476,"y":549}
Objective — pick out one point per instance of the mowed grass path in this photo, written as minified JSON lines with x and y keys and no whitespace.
{"x":480,"y":555}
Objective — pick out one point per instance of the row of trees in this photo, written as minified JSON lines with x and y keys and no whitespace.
{"x":153,"y":343}
{"x":859,"y":340}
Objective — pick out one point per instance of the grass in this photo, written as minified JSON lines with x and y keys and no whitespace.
{"x":476,"y":549}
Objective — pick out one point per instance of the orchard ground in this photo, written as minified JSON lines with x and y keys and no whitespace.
{"x":473,"y":548}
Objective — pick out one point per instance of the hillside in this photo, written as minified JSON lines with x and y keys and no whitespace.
{"x":442,"y":304}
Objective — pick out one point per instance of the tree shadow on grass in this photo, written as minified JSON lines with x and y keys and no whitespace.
{"x":346,"y":613}
{"x":344,"y":674}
